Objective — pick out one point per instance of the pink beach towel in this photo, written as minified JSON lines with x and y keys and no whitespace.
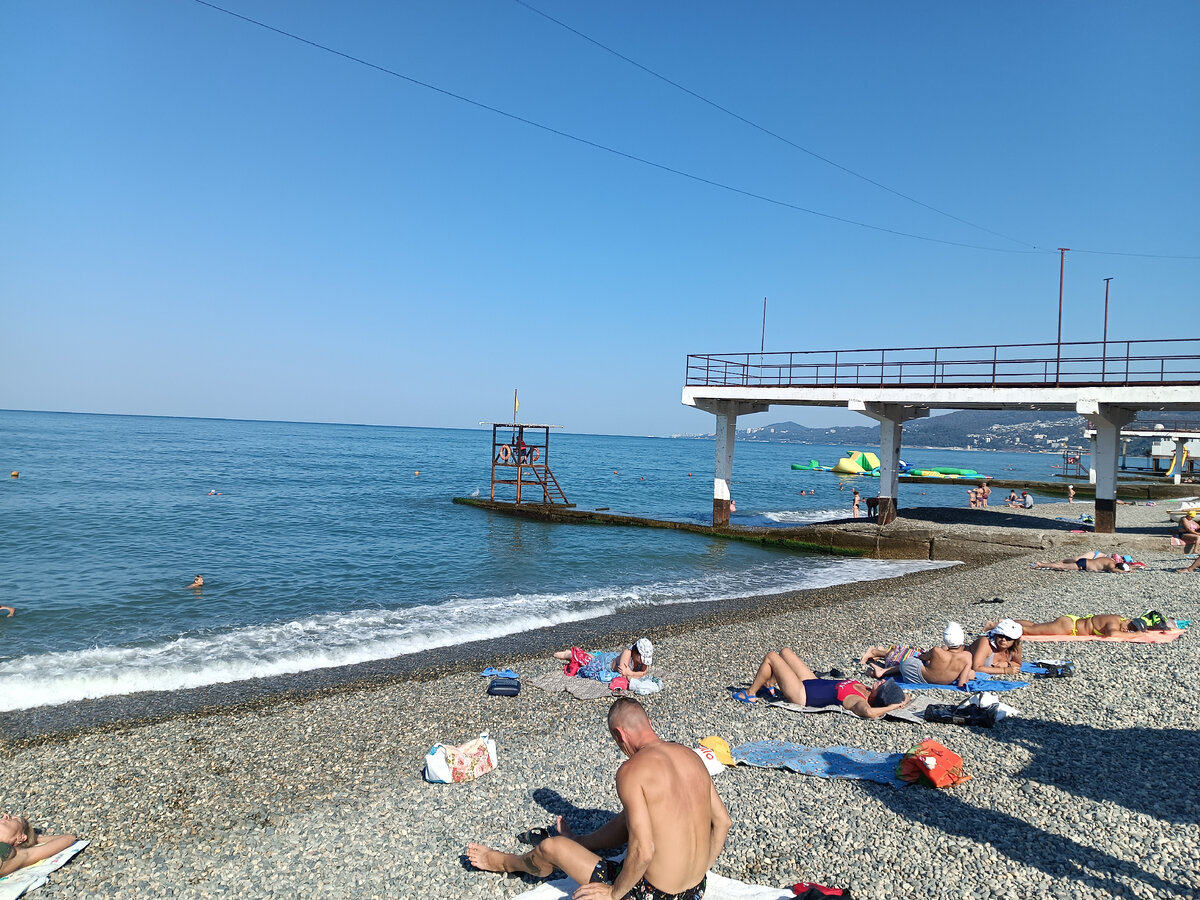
{"x":1132,"y":637}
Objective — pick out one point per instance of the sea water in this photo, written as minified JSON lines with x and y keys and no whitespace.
{"x":324,"y":545}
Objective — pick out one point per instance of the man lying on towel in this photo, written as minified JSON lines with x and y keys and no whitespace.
{"x":673,"y":821}
{"x":950,"y":664}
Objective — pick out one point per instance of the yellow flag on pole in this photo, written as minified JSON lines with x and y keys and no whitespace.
{"x":516,"y":404}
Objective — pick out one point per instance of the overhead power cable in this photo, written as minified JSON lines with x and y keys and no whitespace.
{"x":630,"y":156}
{"x":646,"y":162}
{"x":764,"y":130}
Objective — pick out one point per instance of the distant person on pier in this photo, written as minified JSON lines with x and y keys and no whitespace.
{"x":1089,"y":562}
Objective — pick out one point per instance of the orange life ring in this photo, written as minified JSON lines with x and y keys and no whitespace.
{"x":537,"y":453}
{"x":505,"y":453}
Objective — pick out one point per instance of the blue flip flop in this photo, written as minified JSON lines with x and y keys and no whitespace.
{"x":742,"y":697}
{"x":491,"y":672}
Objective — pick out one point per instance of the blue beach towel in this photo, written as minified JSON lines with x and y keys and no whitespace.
{"x":823,"y":762}
{"x":981,"y":682}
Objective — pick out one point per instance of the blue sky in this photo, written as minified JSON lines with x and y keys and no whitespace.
{"x":205,"y":218}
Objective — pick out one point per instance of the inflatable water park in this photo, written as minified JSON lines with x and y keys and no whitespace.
{"x":860,"y":462}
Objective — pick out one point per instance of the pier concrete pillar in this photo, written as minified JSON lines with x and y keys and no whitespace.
{"x":1108,"y":421}
{"x":1180,"y":443}
{"x":891,"y":418}
{"x":727,"y":412}
{"x":1092,"y":455}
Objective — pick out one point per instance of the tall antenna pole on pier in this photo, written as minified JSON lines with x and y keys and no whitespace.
{"x":1104,"y":345}
{"x":1062,"y":267}
{"x":763,"y":345}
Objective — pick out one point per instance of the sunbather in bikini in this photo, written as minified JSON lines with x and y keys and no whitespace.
{"x":21,"y":846}
{"x":1102,"y":625}
{"x":791,"y":676}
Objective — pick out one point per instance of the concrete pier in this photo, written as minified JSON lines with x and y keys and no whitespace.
{"x":1107,"y":383}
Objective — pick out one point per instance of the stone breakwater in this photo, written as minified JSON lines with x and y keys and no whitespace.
{"x":1089,"y":792}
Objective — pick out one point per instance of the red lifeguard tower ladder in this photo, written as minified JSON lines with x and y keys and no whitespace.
{"x":521,"y":461}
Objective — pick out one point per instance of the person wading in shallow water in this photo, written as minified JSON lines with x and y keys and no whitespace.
{"x":672,"y":820}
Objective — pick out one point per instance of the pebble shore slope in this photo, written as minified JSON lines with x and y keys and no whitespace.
{"x":1090,"y":792}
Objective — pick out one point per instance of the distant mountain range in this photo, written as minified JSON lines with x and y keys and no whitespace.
{"x":968,"y":428}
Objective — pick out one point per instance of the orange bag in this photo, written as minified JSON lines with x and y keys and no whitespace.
{"x":939,"y":765}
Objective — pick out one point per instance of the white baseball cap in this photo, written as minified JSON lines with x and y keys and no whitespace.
{"x":645,"y":650}
{"x":1007,"y":628}
{"x":953,"y":636}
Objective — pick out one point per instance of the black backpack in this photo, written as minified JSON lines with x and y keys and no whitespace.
{"x":964,"y":713}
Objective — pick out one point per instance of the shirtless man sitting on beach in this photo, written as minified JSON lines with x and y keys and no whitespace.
{"x":1089,"y":562}
{"x":672,"y":820}
{"x":1102,"y":625}
{"x":21,"y":846}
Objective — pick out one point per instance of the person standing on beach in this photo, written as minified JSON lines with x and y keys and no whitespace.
{"x":1070,"y":493}
{"x":856,"y":499}
{"x":672,"y":819}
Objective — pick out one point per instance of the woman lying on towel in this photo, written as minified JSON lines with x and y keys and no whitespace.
{"x":21,"y":846}
{"x":790,"y":676}
{"x":998,"y":652}
{"x":1103,"y":625}
{"x":633,"y":662}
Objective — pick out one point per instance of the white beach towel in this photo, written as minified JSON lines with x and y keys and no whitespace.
{"x":718,"y":889}
{"x":14,"y":885}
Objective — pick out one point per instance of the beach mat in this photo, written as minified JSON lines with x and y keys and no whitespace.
{"x":821,"y":762}
{"x":719,"y":888}
{"x":1129,"y":637}
{"x":974,"y":686}
{"x":19,"y":882}
{"x":580,"y":688}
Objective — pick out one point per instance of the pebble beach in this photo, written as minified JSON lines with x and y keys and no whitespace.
{"x":1089,"y":791}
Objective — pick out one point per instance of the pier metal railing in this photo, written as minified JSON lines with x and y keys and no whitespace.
{"x":1103,"y":363}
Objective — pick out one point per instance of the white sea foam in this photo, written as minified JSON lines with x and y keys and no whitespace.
{"x":806,"y":516}
{"x":337,"y":639}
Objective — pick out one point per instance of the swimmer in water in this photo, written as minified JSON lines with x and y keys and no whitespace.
{"x":10,"y":610}
{"x":197,"y":582}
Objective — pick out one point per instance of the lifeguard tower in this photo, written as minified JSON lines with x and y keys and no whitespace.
{"x":521,"y":462}
{"x":1072,"y":465}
